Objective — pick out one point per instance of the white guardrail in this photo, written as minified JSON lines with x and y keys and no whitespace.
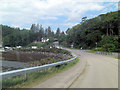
{"x":13,"y":73}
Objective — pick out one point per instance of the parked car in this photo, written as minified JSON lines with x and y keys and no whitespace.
{"x":34,"y":47}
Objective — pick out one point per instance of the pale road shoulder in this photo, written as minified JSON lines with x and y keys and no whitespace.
{"x":92,"y":71}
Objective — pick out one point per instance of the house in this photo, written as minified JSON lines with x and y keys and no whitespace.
{"x":44,"y":40}
{"x":18,"y":47}
{"x":55,"y":39}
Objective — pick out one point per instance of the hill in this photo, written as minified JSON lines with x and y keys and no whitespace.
{"x":101,"y":31}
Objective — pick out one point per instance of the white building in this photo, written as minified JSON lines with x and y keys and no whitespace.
{"x":44,"y":40}
{"x":18,"y":46}
{"x":34,"y":47}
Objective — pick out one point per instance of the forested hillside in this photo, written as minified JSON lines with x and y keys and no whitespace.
{"x":100,"y":32}
{"x":22,"y":37}
{"x":14,"y":36}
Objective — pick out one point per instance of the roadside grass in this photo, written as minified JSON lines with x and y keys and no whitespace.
{"x":90,"y":51}
{"x":36,"y":77}
{"x":38,"y":44}
{"x":117,"y":57}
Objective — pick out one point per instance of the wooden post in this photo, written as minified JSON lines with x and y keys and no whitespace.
{"x":25,"y":77}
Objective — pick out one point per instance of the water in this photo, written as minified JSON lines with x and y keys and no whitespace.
{"x":12,"y":65}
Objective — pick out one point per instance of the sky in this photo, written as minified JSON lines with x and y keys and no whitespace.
{"x":54,"y":13}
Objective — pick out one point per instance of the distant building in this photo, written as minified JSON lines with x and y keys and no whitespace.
{"x":34,"y":47}
{"x":44,"y":40}
{"x":55,"y":39}
{"x":18,"y":46}
{"x":36,"y":41}
{"x":72,"y":46}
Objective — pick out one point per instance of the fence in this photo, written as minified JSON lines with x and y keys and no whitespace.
{"x":13,"y":73}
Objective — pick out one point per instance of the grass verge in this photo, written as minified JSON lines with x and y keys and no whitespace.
{"x":90,"y":51}
{"x":36,"y":77}
{"x":117,"y":57}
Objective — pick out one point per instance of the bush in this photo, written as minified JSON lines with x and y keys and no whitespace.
{"x":97,"y":49}
{"x":109,"y":47}
{"x":6,"y":83}
{"x":109,"y":43}
{"x":36,"y":44}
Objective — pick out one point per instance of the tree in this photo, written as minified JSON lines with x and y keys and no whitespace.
{"x":57,"y":33}
{"x":37,"y":28}
{"x":95,"y":30}
{"x":14,"y":36}
{"x":46,"y":33}
{"x":33,"y":28}
{"x":62,"y":37}
{"x":40,"y":33}
{"x":49,"y":32}
{"x":84,"y":19}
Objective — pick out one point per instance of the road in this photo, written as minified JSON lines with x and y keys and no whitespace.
{"x":92,"y":71}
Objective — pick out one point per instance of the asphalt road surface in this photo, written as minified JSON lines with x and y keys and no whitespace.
{"x":92,"y":71}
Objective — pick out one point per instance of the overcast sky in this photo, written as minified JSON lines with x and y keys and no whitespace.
{"x":54,"y":13}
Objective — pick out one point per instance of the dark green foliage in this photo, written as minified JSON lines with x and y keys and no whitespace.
{"x":100,"y":31}
{"x":15,"y":37}
{"x":109,"y":43}
{"x":6,"y":83}
{"x":57,"y":33}
{"x":62,"y":37}
{"x":39,"y":44}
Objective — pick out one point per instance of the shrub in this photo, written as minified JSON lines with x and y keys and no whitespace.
{"x":36,"y":44}
{"x":109,"y":43}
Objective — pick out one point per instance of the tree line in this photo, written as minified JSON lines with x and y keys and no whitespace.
{"x":100,"y":32}
{"x":22,"y":37}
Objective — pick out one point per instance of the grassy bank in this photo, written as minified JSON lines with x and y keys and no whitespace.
{"x":36,"y":77}
{"x":117,"y":57}
{"x":37,"y":57}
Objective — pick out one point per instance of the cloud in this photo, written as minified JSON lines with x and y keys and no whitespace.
{"x":70,"y":24}
{"x":23,"y":12}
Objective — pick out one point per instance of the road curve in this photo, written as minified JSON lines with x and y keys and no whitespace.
{"x":92,"y":71}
